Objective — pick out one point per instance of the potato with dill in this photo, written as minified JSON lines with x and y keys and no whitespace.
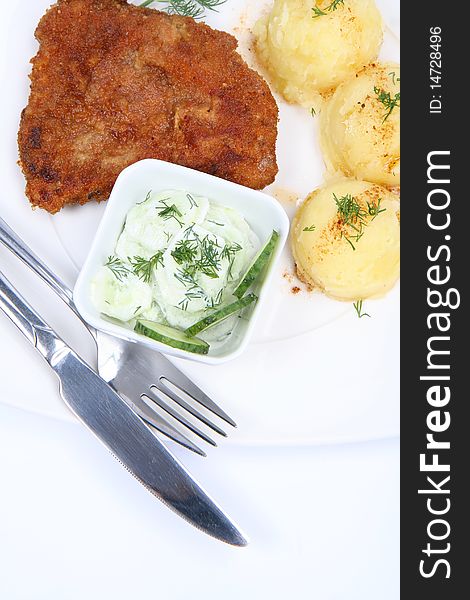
{"x":309,"y":47}
{"x":346,"y":239}
{"x":360,"y":126}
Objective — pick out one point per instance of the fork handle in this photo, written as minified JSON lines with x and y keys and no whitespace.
{"x":14,"y":243}
{"x":31,"y":325}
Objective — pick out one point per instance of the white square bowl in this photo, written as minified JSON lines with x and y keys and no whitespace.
{"x":262,"y":213}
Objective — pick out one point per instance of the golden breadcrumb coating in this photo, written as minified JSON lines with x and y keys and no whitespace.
{"x":113,"y":83}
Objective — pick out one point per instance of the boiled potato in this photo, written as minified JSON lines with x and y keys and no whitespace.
{"x":346,"y":238}
{"x":360,"y":126}
{"x":307,"y":54}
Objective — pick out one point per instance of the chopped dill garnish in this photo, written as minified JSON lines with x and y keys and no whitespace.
{"x":166,"y":212}
{"x":358,"y":307}
{"x":351,"y":215}
{"x":195,"y":295}
{"x":187,"y":8}
{"x":386,"y":99}
{"x":197,"y":257}
{"x":230,"y":250}
{"x":215,"y":223}
{"x":189,"y":230}
{"x":374,"y":208}
{"x":144,"y":267}
{"x":217,"y":301}
{"x":229,"y":253}
{"x":147,"y":197}
{"x":394,"y":77}
{"x":201,"y":256}
{"x":218,"y":298}
{"x":318,"y":12}
{"x":209,"y":260}
{"x":168,"y":236}
{"x":313,"y":112}
{"x":311,"y":228}
{"x":349,"y":210}
{"x":117,"y":267}
{"x":185,"y":251}
{"x":186,"y":277}
{"x":230,"y":267}
{"x":192,"y":202}
{"x":183,"y":304}
{"x":137,"y":310}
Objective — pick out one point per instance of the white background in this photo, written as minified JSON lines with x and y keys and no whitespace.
{"x":322,"y":520}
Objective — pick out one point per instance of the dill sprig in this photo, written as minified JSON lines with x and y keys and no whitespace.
{"x":192,"y":202}
{"x":311,"y":228}
{"x":195,"y":294}
{"x":166,"y":211}
{"x":209,"y":260}
{"x":186,"y":277}
{"x":353,"y":216}
{"x":200,"y":256}
{"x":183,"y":304}
{"x":374,"y":209}
{"x":217,"y":301}
{"x":185,"y":251}
{"x":144,"y":267}
{"x":230,"y":250}
{"x":228,"y":253}
{"x":186,"y":8}
{"x":147,"y":197}
{"x":117,"y":267}
{"x":358,"y":307}
{"x":386,"y":99}
{"x":350,"y":211}
{"x":189,"y":230}
{"x":318,"y":12}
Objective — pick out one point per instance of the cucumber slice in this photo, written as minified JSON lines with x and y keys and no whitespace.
{"x":171,"y":337}
{"x":220,"y":315}
{"x":257,"y":265}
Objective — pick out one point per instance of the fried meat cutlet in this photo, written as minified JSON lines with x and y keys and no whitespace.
{"x":113,"y":83}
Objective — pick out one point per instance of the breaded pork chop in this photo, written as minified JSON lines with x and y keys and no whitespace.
{"x":113,"y":83}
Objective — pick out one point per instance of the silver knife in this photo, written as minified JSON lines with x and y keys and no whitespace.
{"x":106,"y":414}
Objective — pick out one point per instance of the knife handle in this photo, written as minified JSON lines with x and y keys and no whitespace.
{"x":37,"y":331}
{"x":14,"y":243}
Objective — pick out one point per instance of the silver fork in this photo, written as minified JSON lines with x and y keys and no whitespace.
{"x":144,"y":378}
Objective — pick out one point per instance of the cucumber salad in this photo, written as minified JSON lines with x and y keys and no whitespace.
{"x":182,"y":270}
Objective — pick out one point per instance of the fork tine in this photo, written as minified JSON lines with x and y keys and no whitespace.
{"x":162,"y":425}
{"x":151,"y":395}
{"x":189,"y":408}
{"x":179,"y":380}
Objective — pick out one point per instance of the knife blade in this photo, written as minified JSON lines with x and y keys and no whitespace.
{"x":111,"y":420}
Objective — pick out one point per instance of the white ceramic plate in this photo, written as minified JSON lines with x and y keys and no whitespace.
{"x":313,"y":373}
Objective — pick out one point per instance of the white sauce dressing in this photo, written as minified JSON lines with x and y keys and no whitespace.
{"x":179,"y":256}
